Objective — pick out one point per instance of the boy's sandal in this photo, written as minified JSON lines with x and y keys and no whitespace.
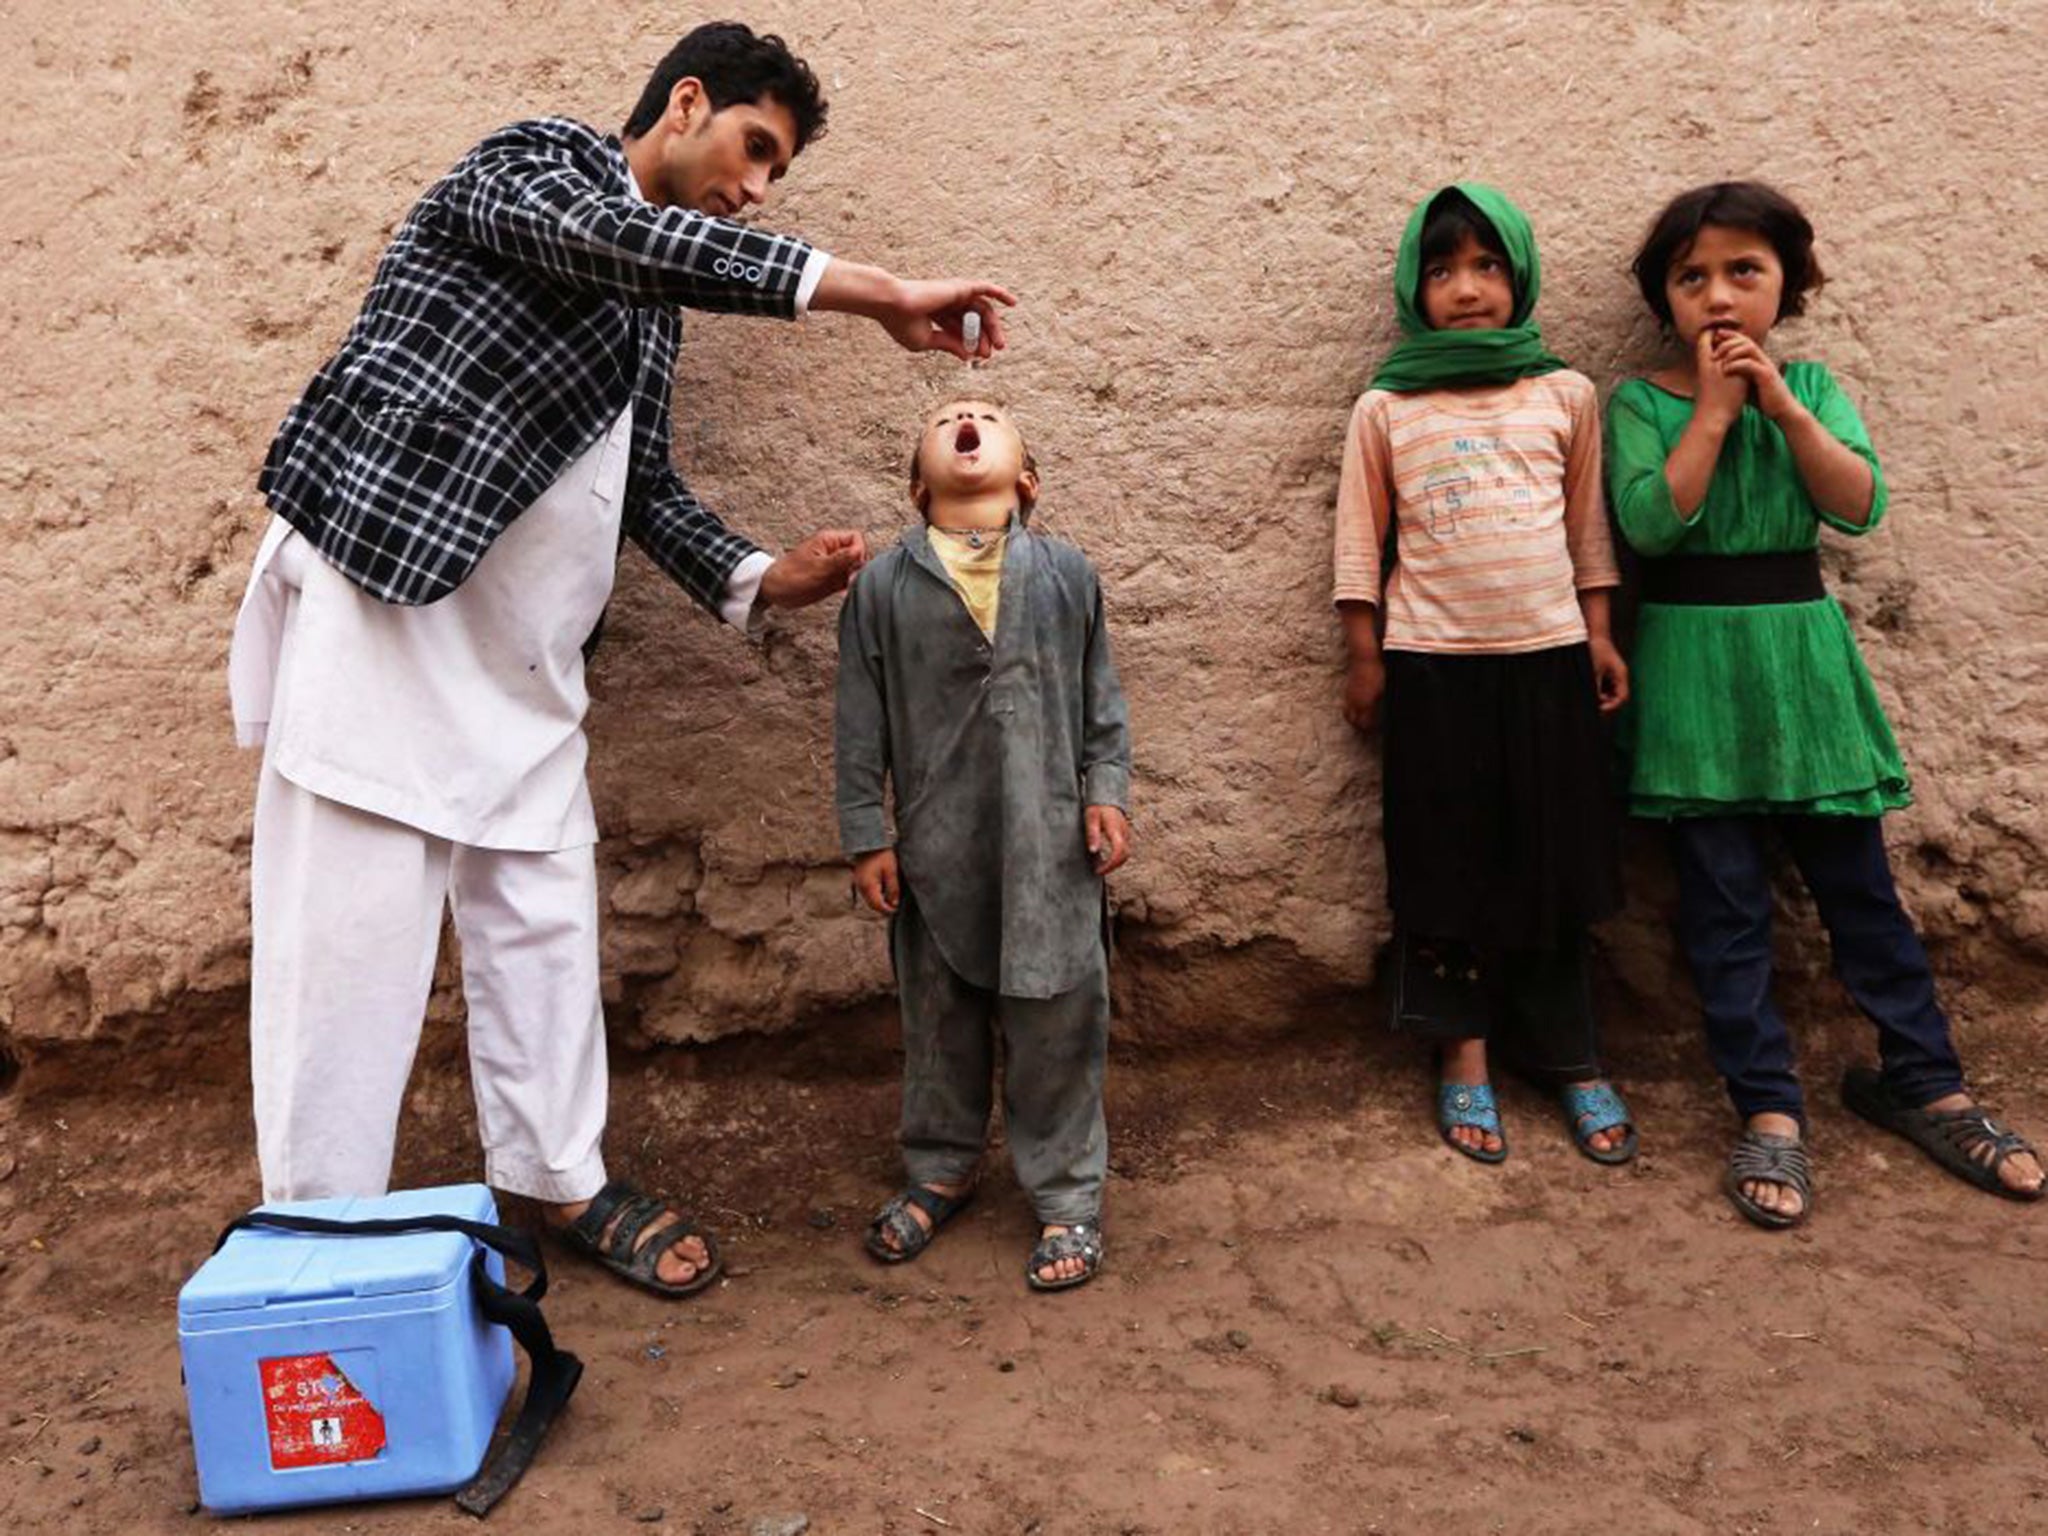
{"x":1082,"y":1240}
{"x":1759,"y":1157}
{"x":1459,"y":1104}
{"x":1588,"y":1111}
{"x":629,"y":1213}
{"x":912,"y":1236}
{"x":1967,"y":1142}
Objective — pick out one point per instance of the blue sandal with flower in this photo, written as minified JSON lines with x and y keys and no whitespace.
{"x":1469,"y":1104}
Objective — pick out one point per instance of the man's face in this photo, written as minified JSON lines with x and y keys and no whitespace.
{"x":970,"y":448}
{"x":722,"y":161}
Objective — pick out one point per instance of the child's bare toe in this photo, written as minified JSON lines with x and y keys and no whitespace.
{"x":1059,"y":1269}
{"x":1781,"y":1199}
{"x":2022,"y":1171}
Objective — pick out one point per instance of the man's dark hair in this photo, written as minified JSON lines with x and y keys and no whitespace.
{"x":1746,"y":205}
{"x":735,"y":65}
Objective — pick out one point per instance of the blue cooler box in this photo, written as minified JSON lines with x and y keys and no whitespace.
{"x":320,"y":1369}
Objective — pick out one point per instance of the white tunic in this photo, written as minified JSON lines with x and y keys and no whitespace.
{"x":464,"y":717}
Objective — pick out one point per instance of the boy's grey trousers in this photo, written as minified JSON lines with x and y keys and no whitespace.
{"x":1053,"y":1054}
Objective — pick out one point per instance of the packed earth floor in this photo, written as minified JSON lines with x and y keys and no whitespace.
{"x":1315,"y":1318}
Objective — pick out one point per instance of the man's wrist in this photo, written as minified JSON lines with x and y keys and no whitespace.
{"x":854,"y":288}
{"x":741,"y":606}
{"x":815,"y":267}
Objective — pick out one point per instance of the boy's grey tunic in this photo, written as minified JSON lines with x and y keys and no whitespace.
{"x":993,"y":751}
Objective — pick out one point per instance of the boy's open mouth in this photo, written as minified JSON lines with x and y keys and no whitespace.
{"x":968,"y":439}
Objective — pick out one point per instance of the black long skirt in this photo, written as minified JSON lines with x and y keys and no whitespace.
{"x":1499,"y":810}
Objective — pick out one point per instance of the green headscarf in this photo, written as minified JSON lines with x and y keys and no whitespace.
{"x":1430,"y":359}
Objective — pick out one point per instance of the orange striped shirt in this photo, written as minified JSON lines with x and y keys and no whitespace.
{"x":1495,"y":494}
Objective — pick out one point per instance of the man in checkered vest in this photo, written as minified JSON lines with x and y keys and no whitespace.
{"x":449,"y":496}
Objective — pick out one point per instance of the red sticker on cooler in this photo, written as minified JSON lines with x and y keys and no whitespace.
{"x":315,"y":1415}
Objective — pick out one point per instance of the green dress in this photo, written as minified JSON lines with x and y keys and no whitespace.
{"x":1754,"y":710}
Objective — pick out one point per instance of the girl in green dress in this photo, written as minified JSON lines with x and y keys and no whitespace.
{"x":1753,"y":714}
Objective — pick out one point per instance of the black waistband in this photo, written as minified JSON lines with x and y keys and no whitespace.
{"x":1734,"y":581}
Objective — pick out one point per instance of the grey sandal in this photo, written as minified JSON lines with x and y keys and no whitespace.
{"x":912,"y":1236}
{"x":1769,"y":1159}
{"x":624,"y":1254}
{"x":1967,"y":1142}
{"x":1081,"y":1240}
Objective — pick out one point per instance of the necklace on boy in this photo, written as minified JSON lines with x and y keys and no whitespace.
{"x":973,"y":538}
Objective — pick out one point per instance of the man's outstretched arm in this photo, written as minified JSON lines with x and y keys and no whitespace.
{"x":529,"y":199}
{"x":923,"y":315}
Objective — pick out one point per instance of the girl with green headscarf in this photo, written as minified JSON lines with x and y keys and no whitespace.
{"x":1427,"y":357}
{"x":1474,"y":461}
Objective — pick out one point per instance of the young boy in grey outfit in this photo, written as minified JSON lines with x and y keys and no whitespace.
{"x":975,"y":676}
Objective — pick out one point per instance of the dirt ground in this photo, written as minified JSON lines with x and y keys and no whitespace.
{"x":1315,"y":1318}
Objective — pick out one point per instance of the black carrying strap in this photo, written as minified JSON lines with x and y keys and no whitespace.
{"x":554,"y":1372}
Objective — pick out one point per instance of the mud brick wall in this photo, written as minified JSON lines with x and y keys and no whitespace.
{"x":1198,"y":203}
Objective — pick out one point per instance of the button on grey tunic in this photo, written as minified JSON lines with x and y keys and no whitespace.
{"x":991,"y":752}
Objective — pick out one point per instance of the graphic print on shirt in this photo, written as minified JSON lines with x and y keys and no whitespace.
{"x":1447,"y":493}
{"x":1494,"y":500}
{"x":1486,"y":486}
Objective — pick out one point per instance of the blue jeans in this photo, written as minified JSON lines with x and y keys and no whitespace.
{"x":1724,"y":905}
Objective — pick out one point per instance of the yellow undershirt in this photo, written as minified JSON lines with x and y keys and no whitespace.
{"x":977,"y":573}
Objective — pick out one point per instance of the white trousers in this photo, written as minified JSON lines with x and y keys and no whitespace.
{"x":346,"y":921}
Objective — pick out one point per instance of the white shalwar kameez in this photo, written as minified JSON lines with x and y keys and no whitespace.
{"x":416,"y":757}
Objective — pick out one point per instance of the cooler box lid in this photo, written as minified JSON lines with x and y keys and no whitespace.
{"x":261,"y":1269}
